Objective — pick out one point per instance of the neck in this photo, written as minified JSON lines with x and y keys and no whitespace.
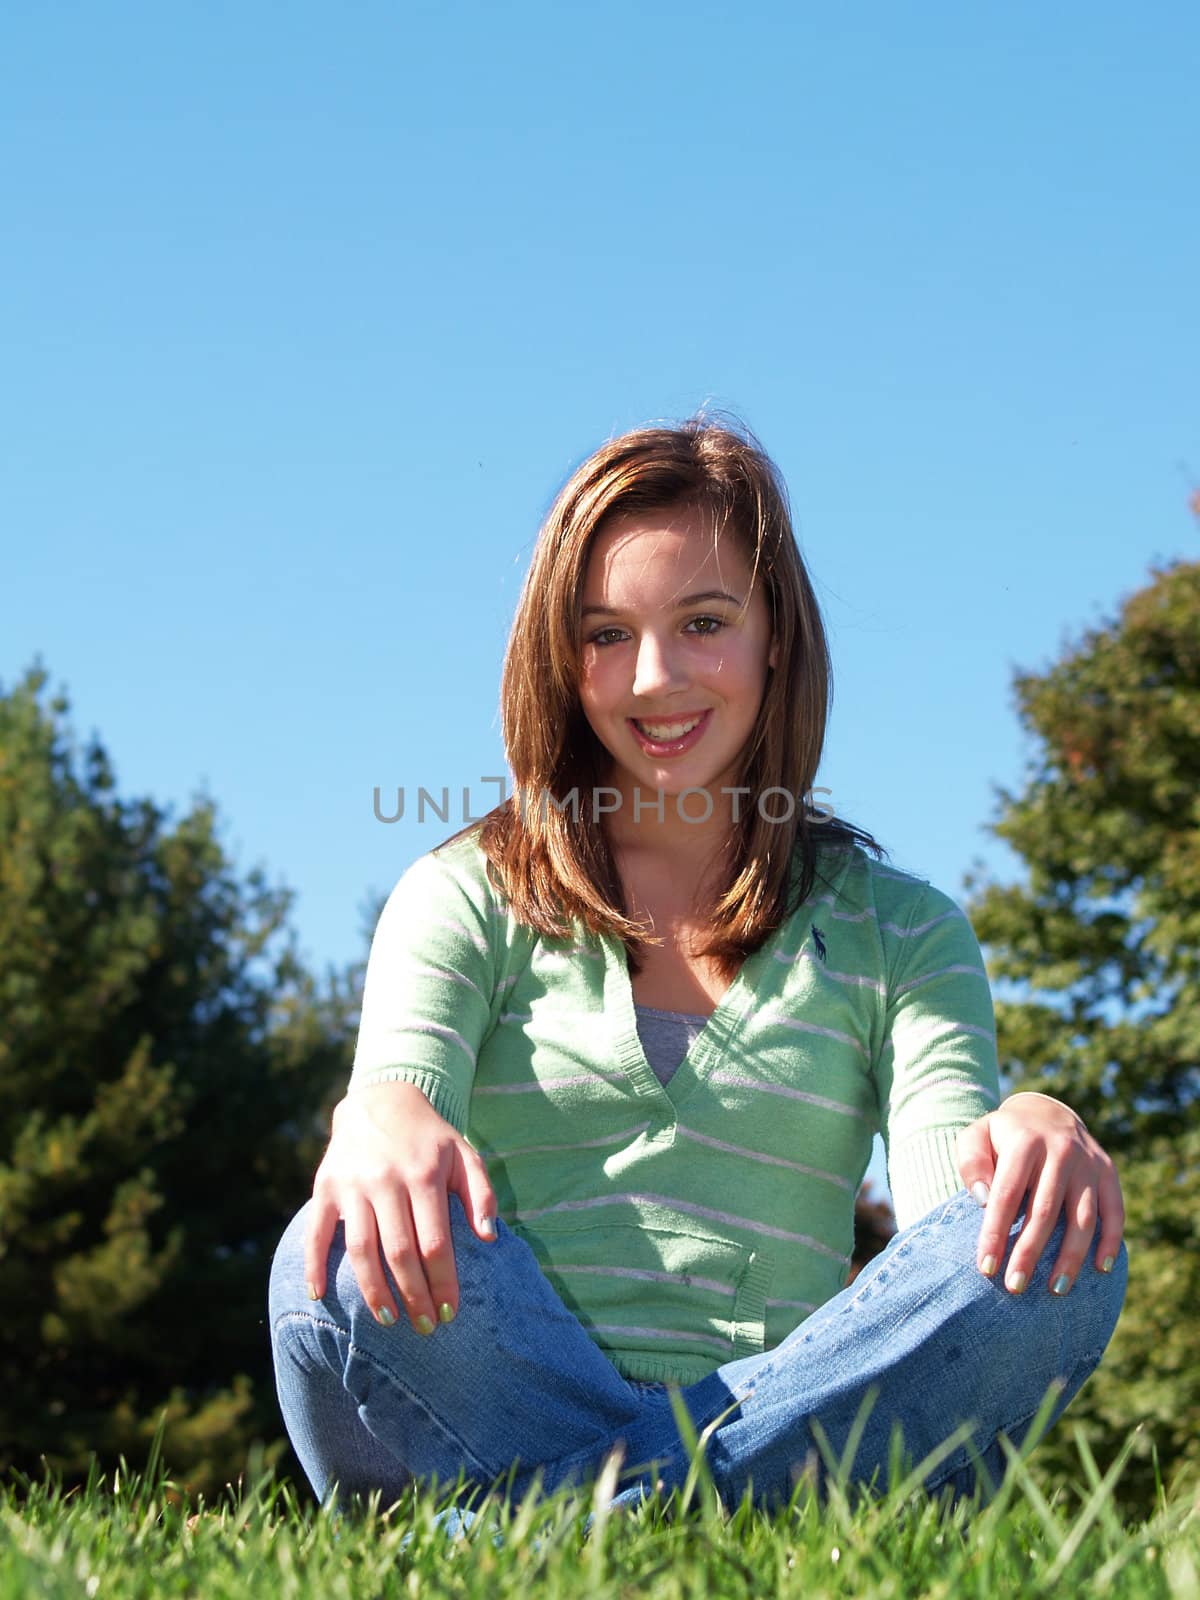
{"x":652,"y":822}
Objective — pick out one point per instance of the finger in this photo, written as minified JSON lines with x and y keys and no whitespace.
{"x":1016,"y":1172}
{"x":1112,"y":1218}
{"x":469,"y":1181}
{"x":399,"y":1247}
{"x":318,"y":1236}
{"x":976,"y":1159}
{"x":1081,"y":1208}
{"x":362,"y":1246}
{"x":431,"y":1222}
{"x":1046,"y":1197}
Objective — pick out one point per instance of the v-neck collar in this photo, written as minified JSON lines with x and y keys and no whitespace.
{"x":710,"y":1044}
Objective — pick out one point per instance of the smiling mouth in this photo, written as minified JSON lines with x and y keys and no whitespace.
{"x":667,"y":736}
{"x":662,"y":729}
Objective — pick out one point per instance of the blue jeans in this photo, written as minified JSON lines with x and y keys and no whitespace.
{"x":514,"y":1385}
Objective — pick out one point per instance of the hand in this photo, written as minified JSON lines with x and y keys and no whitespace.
{"x":1035,"y":1143}
{"x":391,"y":1165}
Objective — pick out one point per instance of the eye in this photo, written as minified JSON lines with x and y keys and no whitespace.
{"x":708,"y":626}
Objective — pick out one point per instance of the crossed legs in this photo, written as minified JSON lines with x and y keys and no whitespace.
{"x":516,"y":1383}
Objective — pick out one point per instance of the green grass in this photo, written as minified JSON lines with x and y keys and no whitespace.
{"x":139,"y":1536}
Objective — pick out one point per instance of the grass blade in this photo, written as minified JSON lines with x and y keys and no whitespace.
{"x":1098,"y":1501}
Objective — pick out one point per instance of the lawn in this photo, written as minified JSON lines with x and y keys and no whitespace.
{"x":137,"y":1535}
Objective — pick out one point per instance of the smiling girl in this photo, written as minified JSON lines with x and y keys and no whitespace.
{"x":623,"y":1050}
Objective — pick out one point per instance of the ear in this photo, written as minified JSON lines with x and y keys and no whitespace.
{"x":773,"y":656}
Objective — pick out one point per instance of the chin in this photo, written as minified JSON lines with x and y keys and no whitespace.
{"x":675,"y":783}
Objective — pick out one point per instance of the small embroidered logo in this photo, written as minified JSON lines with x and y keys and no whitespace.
{"x":819,"y":941}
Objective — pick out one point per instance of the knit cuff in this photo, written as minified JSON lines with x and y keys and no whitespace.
{"x":442,"y":1095}
{"x":923,"y":1173}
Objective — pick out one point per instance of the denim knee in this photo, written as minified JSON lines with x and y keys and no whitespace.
{"x":1090,"y":1307}
{"x":287,"y":1285}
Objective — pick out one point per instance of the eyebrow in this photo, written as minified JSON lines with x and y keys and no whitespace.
{"x":686,"y":600}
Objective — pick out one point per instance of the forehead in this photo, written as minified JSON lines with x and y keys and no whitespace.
{"x":662,"y":551}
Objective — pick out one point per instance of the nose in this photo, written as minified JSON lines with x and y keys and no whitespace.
{"x":659,"y":667}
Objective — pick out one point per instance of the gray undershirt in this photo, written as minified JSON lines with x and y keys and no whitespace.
{"x":666,"y":1037}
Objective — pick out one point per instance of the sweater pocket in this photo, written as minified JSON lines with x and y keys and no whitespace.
{"x":660,"y":1301}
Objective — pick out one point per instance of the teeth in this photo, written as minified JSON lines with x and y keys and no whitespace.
{"x":663,"y":731}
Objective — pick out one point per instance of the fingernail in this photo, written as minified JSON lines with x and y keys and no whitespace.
{"x":424,"y":1326}
{"x":445,"y":1312}
{"x":386,"y":1316}
{"x":313,"y":1295}
{"x":1108,"y":1263}
{"x":989,"y":1266}
{"x":487,"y":1225}
{"x":1017,"y":1282}
{"x":980,"y":1191}
{"x":1061,"y":1284}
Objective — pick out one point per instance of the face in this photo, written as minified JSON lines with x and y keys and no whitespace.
{"x":674,"y":663}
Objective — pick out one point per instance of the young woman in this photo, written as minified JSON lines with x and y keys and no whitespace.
{"x":623,"y":1049}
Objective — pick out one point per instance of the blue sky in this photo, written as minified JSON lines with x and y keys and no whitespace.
{"x":308,"y":312}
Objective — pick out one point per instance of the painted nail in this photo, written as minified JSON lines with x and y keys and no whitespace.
{"x":386,"y":1316}
{"x":312,"y":1292}
{"x":1108,"y":1263}
{"x":445,"y":1312}
{"x":989,"y":1266}
{"x":424,"y":1326}
{"x":487,"y":1225}
{"x":980,"y":1191}
{"x":1017,"y":1282}
{"x":1061,"y":1284}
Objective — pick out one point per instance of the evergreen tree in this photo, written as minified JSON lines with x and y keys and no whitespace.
{"x":166,"y":1073}
{"x":1105,"y":936}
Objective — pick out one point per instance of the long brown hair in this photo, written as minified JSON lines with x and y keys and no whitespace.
{"x":552,"y":861}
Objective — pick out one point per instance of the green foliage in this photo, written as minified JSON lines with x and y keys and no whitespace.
{"x":1105,"y":934}
{"x":166,"y":1066}
{"x":874,"y":1227}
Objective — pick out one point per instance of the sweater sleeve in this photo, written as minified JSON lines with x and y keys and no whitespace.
{"x":429,"y":987}
{"x":937,"y":1070}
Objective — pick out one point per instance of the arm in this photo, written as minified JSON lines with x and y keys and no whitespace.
{"x":397,"y":1149}
{"x":939,"y":1060}
{"x":937,"y":1070}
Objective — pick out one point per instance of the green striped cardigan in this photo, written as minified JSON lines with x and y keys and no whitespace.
{"x":689,"y":1224}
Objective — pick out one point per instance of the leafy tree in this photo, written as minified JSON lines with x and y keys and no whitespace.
{"x":166,"y":1067}
{"x":1105,"y":935}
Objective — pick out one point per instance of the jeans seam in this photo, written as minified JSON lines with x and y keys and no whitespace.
{"x":484,"y":1471}
{"x":933,"y":1217}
